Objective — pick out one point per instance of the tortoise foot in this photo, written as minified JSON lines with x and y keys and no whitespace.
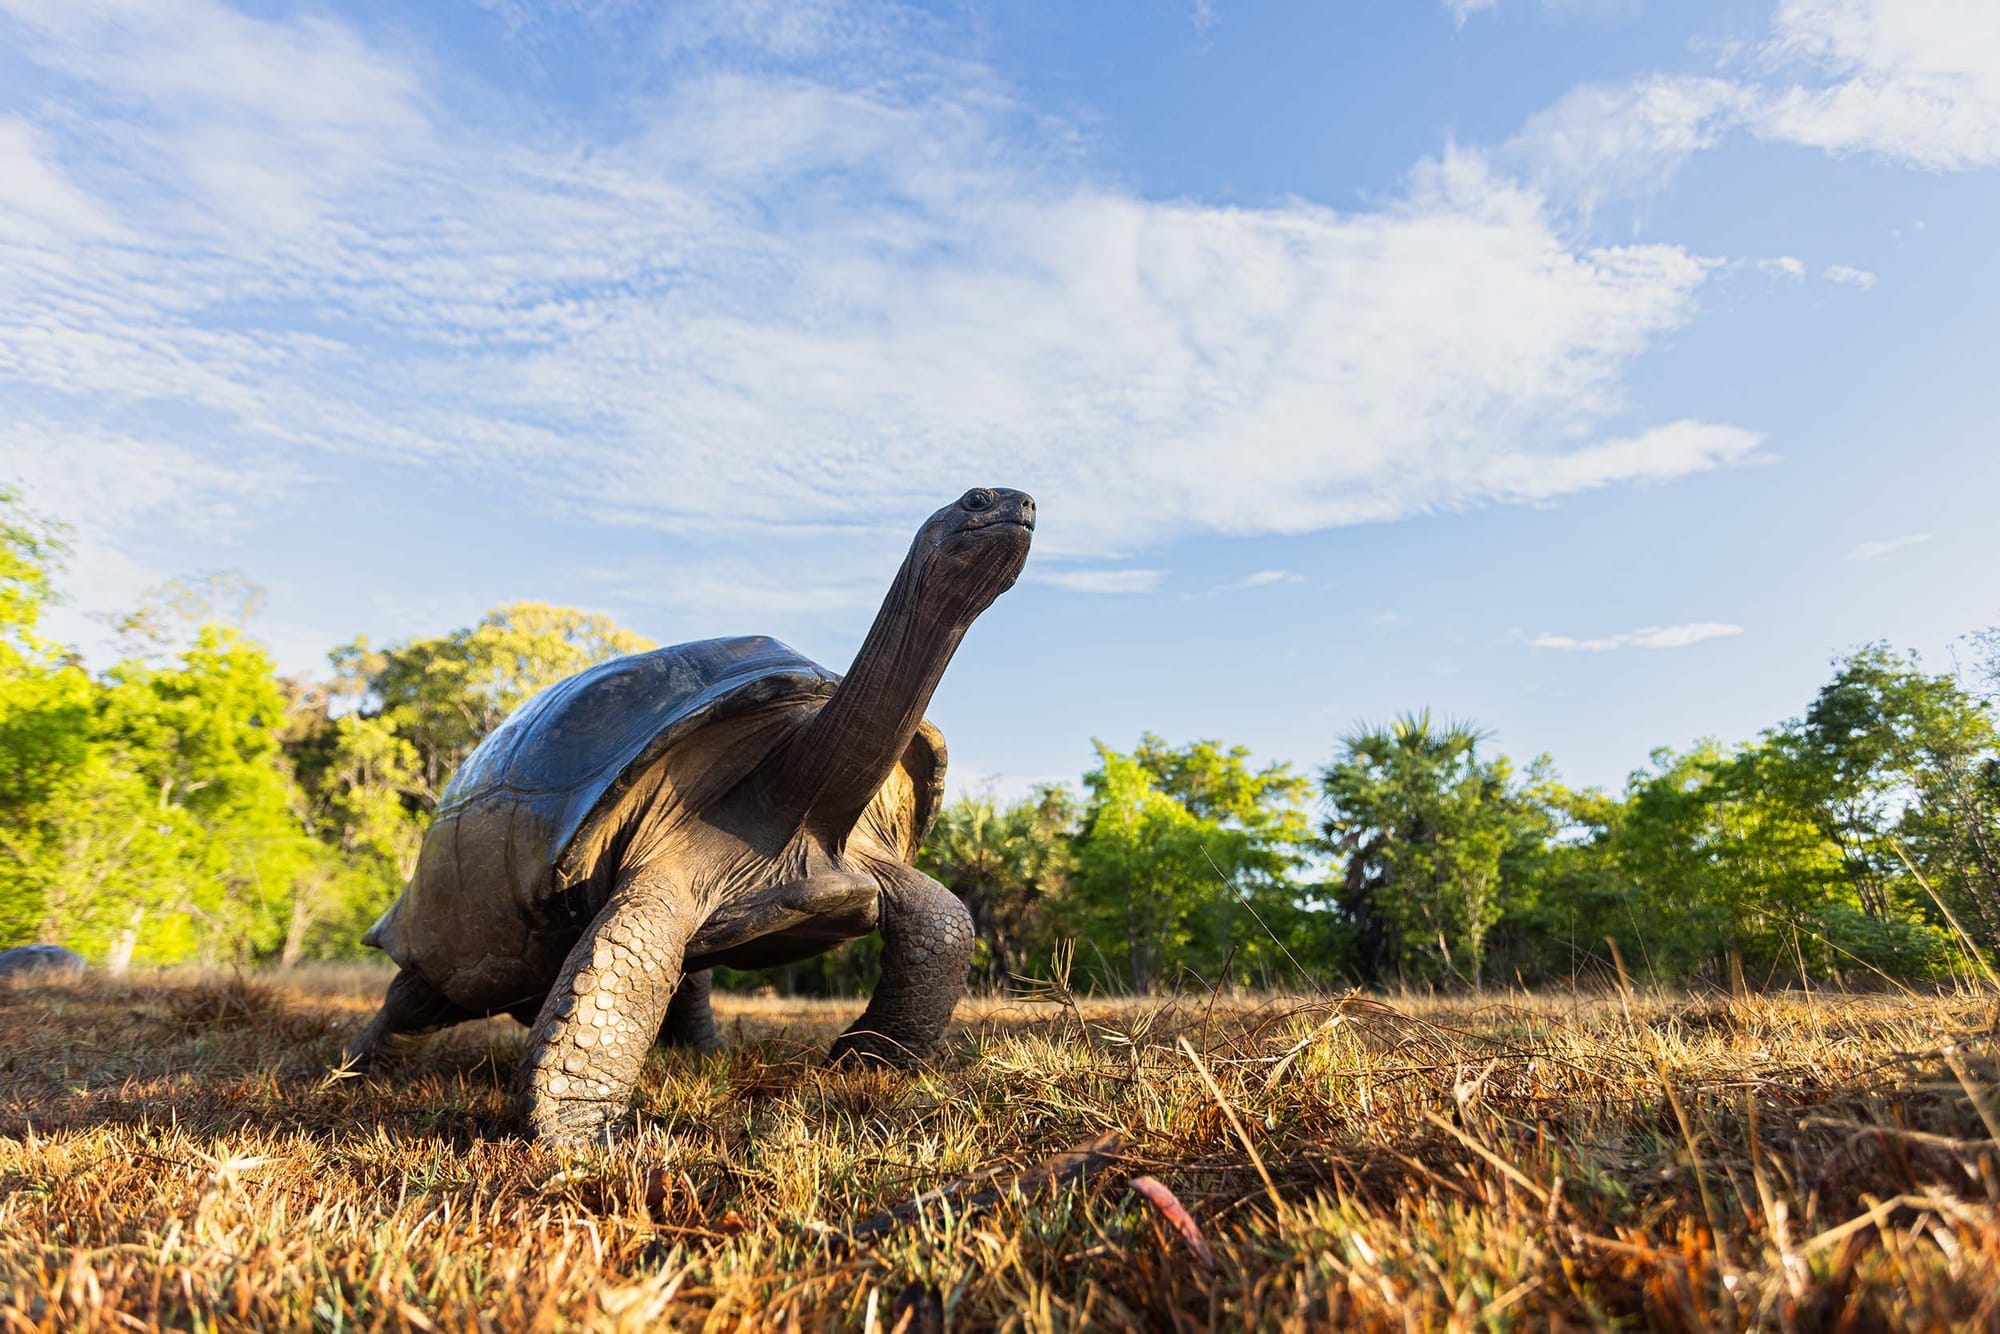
{"x":574,"y":1123}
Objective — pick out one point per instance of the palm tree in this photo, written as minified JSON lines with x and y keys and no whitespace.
{"x":1002,"y":864}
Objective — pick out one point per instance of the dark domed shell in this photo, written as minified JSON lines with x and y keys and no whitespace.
{"x":565,"y":749}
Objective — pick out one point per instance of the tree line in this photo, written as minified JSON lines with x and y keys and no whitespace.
{"x":189,"y":803}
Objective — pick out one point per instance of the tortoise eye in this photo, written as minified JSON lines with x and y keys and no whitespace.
{"x":978,"y":498}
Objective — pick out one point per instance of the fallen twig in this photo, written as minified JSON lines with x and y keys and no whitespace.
{"x":1171,"y":1208}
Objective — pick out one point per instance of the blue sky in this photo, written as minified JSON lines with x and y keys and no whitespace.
{"x":1593,"y":369}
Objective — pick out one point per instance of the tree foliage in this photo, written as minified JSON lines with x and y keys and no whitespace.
{"x":1422,"y":821}
{"x":443,"y":694}
{"x":186,"y":802}
{"x":1177,"y":852}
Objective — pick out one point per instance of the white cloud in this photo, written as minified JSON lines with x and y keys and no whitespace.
{"x":35,"y":195}
{"x":1265,"y":578}
{"x":1679,"y":449}
{"x":1884,"y":548}
{"x":1109,"y":580}
{"x":113,"y":493}
{"x":841,"y":279}
{"x":1914,"y":81}
{"x":264,"y":121}
{"x":1259,"y":579}
{"x":1849,"y":276}
{"x":1649,"y":637}
{"x":1784,"y":266}
{"x":1461,"y":10}
{"x":102,"y":484}
{"x":1603,"y":141}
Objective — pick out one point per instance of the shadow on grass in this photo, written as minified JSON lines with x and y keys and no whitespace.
{"x":226,"y":1052}
{"x":1578,"y":1160}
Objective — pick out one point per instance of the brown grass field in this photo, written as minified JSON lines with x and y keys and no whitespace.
{"x":169,"y":1160}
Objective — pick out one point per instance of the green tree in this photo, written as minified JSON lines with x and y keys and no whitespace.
{"x":1893,"y":766}
{"x":442,"y":695}
{"x":1717,"y":858}
{"x":1169,"y":840}
{"x":190,"y":760}
{"x":1421,"y":823}
{"x":45,"y":724}
{"x":357,"y":790}
{"x":1219,"y":785}
{"x":168,"y":613}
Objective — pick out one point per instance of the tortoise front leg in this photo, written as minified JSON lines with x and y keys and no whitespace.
{"x":591,"y":1037}
{"x":927,"y":943}
{"x":690,"y":1021}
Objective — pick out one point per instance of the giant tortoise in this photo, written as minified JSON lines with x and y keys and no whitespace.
{"x":720,"y":802}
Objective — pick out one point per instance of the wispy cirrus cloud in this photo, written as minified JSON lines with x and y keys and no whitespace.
{"x":36,"y":198}
{"x":1108,"y":580}
{"x":112,"y":492}
{"x":1648,"y":637}
{"x":1603,"y":10}
{"x":1605,"y":141}
{"x":832,"y":267}
{"x":1255,"y":579}
{"x":1262,"y":579}
{"x":1883,"y":548}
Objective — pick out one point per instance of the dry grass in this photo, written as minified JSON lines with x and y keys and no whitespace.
{"x":1790,"y":1162}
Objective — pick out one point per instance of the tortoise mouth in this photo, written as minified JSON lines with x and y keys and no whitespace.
{"x":998,"y":521}
{"x":987,"y":530}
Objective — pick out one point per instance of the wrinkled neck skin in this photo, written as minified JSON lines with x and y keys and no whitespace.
{"x":832,"y":769}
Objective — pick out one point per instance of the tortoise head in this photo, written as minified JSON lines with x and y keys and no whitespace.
{"x":970,"y":552}
{"x":965,"y":555}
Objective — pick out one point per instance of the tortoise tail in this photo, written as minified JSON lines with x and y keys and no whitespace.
{"x":375,"y":934}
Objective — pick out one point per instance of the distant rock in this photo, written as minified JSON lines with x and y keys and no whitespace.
{"x":33,"y":960}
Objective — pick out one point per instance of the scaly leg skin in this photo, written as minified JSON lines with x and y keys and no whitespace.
{"x":690,"y":1021}
{"x":411,"y":1006}
{"x":603,"y":1012}
{"x":927,"y":943}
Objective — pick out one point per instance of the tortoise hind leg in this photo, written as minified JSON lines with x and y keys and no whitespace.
{"x":411,"y":1006}
{"x":690,"y":1021}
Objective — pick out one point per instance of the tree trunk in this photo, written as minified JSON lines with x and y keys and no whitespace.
{"x":295,"y":930}
{"x":119,"y":960}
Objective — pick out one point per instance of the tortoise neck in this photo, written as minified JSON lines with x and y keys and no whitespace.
{"x":835,"y":765}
